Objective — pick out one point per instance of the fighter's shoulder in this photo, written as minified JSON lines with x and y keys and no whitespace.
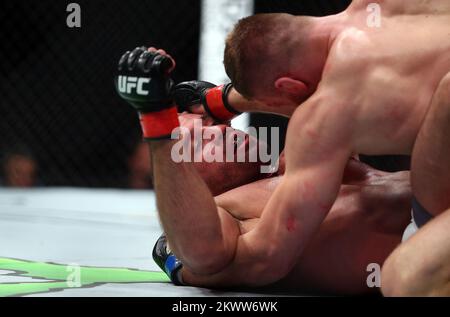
{"x":348,"y":52}
{"x":247,"y":201}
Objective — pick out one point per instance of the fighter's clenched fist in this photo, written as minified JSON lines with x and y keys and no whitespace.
{"x":143,"y":80}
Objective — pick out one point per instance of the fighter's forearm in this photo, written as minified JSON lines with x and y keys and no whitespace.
{"x":186,"y":208}
{"x":189,"y":215}
{"x":305,"y":196}
{"x":242,"y":104}
{"x":222,"y":103}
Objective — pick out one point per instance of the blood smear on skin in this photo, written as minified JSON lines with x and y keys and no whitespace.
{"x":291,"y":224}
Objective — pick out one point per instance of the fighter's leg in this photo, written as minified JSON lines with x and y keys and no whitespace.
{"x":421,"y":266}
{"x":430,"y":172}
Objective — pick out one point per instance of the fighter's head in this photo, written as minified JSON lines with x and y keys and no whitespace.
{"x":221,"y":176}
{"x":273,"y":58}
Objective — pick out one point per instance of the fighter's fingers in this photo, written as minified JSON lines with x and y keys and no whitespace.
{"x":197,"y":109}
{"x":164,"y":53}
{"x":174,"y":64}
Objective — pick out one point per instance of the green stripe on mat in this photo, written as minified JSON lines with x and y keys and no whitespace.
{"x":17,"y":289}
{"x":60,"y":276}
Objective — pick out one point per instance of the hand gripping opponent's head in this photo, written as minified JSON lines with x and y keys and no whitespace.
{"x":211,"y":98}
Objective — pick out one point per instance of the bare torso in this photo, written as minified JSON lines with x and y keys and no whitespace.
{"x":376,"y":89}
{"x":364,"y":226}
{"x":384,"y":77}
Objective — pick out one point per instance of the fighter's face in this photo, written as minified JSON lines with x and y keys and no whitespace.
{"x":222,"y":176}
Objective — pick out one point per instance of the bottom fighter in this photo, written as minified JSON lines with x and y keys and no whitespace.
{"x":365,"y":225}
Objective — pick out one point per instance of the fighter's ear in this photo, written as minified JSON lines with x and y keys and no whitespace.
{"x":292,"y":87}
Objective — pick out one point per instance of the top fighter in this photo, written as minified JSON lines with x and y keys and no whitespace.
{"x":363,"y":89}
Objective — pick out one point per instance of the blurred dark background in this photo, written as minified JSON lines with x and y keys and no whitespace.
{"x":58,"y":105}
{"x":56,"y":83}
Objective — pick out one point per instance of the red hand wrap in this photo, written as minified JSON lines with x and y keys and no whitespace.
{"x":159,"y":125}
{"x":214,"y":100}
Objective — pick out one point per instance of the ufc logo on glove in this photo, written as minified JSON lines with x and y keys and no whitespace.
{"x":127,"y":84}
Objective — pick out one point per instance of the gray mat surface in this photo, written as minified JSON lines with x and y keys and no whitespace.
{"x":100,"y":228}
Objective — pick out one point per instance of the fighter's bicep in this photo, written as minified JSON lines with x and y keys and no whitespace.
{"x":321,"y":138}
{"x":230,"y":231}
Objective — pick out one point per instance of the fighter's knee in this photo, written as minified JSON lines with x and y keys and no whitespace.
{"x":399,"y":275}
{"x":394,"y":277}
{"x":405,"y":274}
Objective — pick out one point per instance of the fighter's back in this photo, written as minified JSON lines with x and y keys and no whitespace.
{"x":385,"y":75}
{"x":410,"y":7}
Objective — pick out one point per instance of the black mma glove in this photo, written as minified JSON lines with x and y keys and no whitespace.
{"x":143,"y":81}
{"x":212,"y":97}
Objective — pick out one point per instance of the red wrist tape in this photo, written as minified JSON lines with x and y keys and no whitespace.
{"x":159,"y":125}
{"x":216,"y":105}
